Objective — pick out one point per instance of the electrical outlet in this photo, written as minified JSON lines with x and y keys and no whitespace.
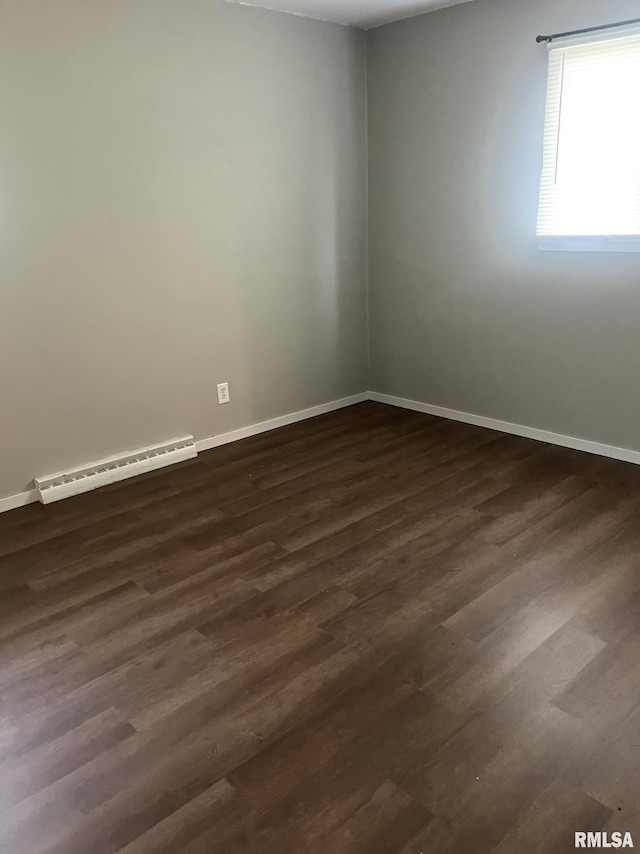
{"x":223,"y":393}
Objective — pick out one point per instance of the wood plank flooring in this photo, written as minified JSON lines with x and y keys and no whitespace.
{"x":374,"y":631}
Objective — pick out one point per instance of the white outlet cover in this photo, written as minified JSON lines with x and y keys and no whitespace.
{"x":223,"y":393}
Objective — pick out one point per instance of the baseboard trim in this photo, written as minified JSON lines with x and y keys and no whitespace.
{"x":31,"y":495}
{"x":19,"y":500}
{"x":281,"y":421}
{"x":573,"y":442}
{"x":627,"y":455}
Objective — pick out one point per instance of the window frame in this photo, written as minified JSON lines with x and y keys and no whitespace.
{"x":622,"y":243}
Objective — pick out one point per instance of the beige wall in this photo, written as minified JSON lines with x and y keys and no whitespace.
{"x":182,"y":202}
{"x":465,"y":312}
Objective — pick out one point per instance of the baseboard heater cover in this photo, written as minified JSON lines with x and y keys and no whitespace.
{"x":100,"y":473}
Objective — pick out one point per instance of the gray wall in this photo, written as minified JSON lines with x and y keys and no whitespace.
{"x":182,"y":202}
{"x":465,"y":312}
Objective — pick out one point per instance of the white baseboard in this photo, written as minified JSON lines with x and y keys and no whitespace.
{"x":31,"y":495}
{"x":624,"y":454}
{"x":19,"y":500}
{"x":590,"y":447}
{"x":281,"y":421}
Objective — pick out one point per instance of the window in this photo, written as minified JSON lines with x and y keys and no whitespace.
{"x":590,"y":186}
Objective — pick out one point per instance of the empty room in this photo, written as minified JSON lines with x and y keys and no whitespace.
{"x":320,"y":467}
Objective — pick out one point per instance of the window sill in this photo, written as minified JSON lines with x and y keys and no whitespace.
{"x":590,"y":244}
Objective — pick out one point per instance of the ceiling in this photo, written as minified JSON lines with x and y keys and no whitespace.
{"x":357,"y":13}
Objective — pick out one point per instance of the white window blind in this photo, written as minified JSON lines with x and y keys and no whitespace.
{"x":590,"y":185}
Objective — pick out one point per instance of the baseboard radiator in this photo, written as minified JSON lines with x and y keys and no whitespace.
{"x":91,"y":476}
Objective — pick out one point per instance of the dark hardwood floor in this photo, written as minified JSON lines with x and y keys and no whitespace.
{"x":374,"y":631}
